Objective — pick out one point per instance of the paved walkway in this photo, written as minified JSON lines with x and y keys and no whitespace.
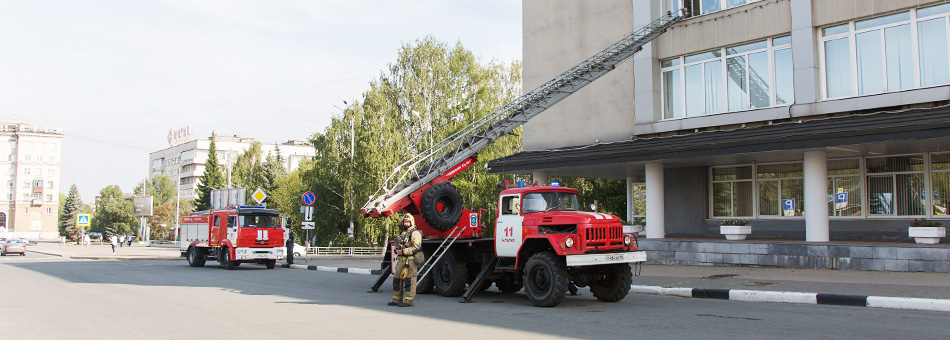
{"x":840,"y":282}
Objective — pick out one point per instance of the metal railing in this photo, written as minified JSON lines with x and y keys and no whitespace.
{"x":346,"y":251}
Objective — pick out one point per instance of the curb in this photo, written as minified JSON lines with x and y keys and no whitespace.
{"x":125,"y":258}
{"x":937,"y":305}
{"x":45,"y":253}
{"x":361,"y":271}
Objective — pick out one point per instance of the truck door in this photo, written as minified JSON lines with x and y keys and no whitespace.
{"x":232,"y":230}
{"x":508,"y":226}
{"x":215,"y":230}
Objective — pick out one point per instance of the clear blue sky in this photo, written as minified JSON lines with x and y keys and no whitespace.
{"x":117,"y":75}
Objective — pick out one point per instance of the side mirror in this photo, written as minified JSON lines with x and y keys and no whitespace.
{"x":593,"y":207}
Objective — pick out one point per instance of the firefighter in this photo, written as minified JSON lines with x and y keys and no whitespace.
{"x":408,"y":249}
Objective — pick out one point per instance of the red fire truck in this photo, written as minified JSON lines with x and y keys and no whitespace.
{"x":233,"y":236}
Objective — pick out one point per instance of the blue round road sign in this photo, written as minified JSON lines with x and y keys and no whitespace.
{"x":308,"y":198}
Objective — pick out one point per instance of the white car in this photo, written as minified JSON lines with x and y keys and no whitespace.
{"x":299,"y":250}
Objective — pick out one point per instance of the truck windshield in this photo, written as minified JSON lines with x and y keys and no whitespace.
{"x":547,"y":201}
{"x":259,"y":221}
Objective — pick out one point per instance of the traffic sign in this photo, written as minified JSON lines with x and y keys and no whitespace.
{"x":259,"y":196}
{"x":82,"y":220}
{"x":473,"y":220}
{"x":307,"y":212}
{"x":307,"y":225}
{"x":308,"y":198}
{"x":789,"y":206}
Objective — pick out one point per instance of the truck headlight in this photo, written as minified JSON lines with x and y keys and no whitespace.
{"x":627,"y":240}
{"x":569,"y":242}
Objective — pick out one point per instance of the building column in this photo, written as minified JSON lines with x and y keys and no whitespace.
{"x":655,"y":209}
{"x":541,"y":177}
{"x":646,"y":68}
{"x":804,"y":57}
{"x":816,"y":196}
{"x":630,"y":200}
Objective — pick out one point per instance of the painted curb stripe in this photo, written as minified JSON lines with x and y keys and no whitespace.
{"x":842,"y":300}
{"x":770,"y":296}
{"x":722,"y":294}
{"x":937,"y":305}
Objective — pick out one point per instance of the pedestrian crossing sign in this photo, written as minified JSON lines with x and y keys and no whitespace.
{"x":82,"y":220}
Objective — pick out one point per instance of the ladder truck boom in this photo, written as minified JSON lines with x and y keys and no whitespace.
{"x":442,"y":161}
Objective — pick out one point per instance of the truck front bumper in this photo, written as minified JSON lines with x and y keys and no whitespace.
{"x":609,"y":258}
{"x":251,"y":254}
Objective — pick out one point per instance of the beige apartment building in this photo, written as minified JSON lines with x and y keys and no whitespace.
{"x":752,"y":109}
{"x":184,"y":161}
{"x":30,"y":162}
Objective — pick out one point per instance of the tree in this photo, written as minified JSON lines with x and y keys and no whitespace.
{"x":113,"y":213}
{"x":72,"y":206}
{"x":246,"y":168}
{"x":162,"y":222}
{"x":211,"y":179}
{"x":160,"y":187}
{"x":431,"y":91}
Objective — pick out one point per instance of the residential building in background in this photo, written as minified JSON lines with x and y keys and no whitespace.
{"x":815,"y":119}
{"x":30,"y":165}
{"x":184,"y":160}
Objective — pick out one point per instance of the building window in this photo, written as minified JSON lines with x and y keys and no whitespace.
{"x":26,"y":171}
{"x":49,"y":197}
{"x":896,"y":186}
{"x":732,"y":191}
{"x":878,"y":55}
{"x":26,"y":210}
{"x":26,"y":184}
{"x":49,"y":184}
{"x":49,"y":210}
{"x":780,"y":189}
{"x":38,"y":195}
{"x":49,"y":172}
{"x":9,"y":197}
{"x":700,"y":7}
{"x":757,"y":75}
{"x":844,"y":188}
{"x":940,"y":181}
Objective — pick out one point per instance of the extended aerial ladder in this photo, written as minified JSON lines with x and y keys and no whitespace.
{"x":404,"y":187}
{"x":436,"y":164}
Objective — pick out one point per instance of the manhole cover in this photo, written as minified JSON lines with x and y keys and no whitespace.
{"x":720,"y":276}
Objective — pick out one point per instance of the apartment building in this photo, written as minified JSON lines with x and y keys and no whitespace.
{"x":761,"y":110}
{"x":184,"y":161}
{"x":30,"y":163}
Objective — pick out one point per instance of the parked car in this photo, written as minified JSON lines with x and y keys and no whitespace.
{"x":299,"y":250}
{"x":13,"y":245}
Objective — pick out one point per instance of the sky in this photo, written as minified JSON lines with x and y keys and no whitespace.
{"x":117,"y":75}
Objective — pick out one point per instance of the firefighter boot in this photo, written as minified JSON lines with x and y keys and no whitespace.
{"x":407,"y":303}
{"x":394,"y":302}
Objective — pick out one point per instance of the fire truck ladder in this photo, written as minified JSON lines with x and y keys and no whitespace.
{"x":430,"y":262}
{"x":434,"y":162}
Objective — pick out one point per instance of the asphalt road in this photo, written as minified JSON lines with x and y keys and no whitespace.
{"x":43,"y":298}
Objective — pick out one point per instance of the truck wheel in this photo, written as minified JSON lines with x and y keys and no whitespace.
{"x":507,"y":286}
{"x":447,"y":196}
{"x":195,"y":257}
{"x":450,"y":276}
{"x":545,"y":279}
{"x":615,"y":286}
{"x":426,"y":285}
{"x":226,"y":259}
{"x":271,"y":264}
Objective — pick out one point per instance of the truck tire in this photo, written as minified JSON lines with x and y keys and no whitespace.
{"x":615,"y":286}
{"x":448,"y":196}
{"x":226,"y":259}
{"x":545,"y":279}
{"x":271,"y":264}
{"x":450,"y":276}
{"x":426,"y":285}
{"x":196,"y":258}
{"x":507,"y":286}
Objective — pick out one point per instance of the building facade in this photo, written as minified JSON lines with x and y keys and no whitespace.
{"x":184,"y":162}
{"x":30,"y":162}
{"x":761,"y":110}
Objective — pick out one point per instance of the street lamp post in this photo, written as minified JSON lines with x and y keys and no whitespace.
{"x":178,"y":201}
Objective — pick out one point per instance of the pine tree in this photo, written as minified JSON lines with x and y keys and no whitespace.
{"x":67,"y":219}
{"x":211,"y":179}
